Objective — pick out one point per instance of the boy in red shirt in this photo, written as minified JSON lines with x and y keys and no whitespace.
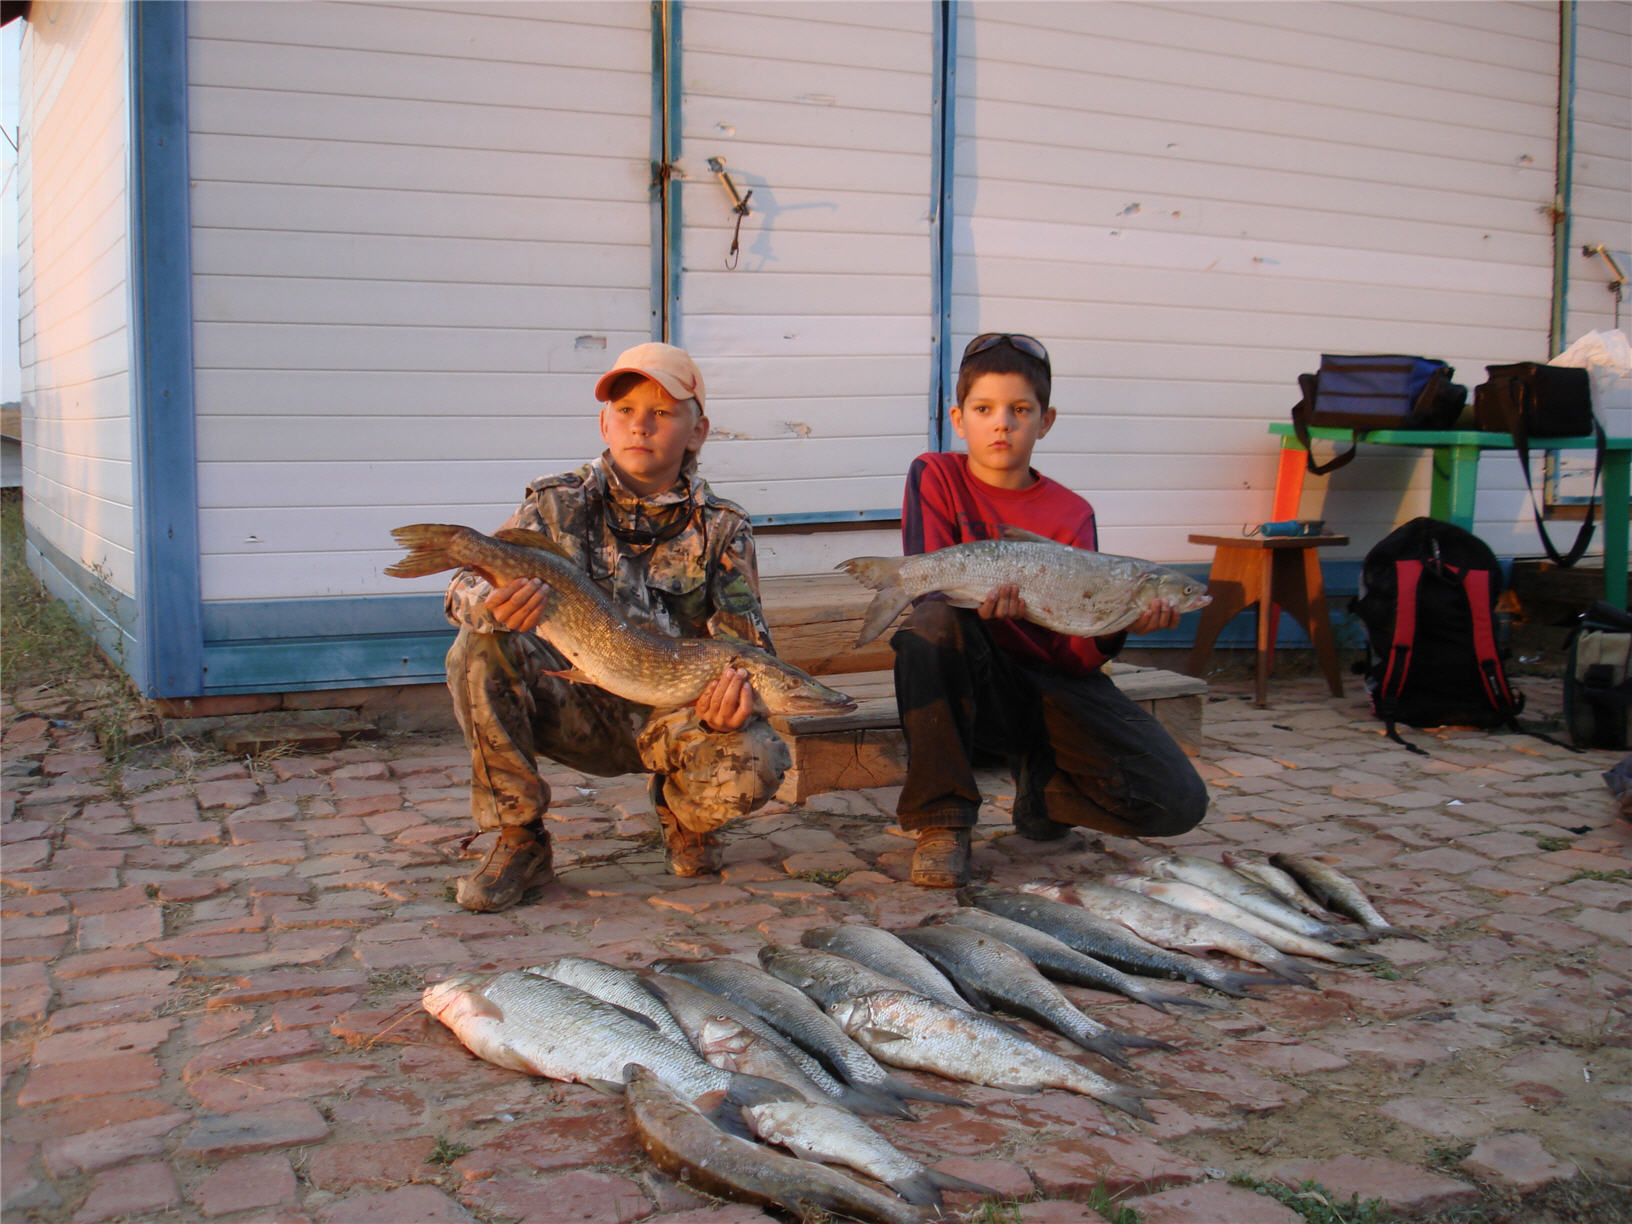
{"x":984,"y":681}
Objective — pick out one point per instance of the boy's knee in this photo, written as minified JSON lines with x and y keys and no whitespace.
{"x":1184,"y":808}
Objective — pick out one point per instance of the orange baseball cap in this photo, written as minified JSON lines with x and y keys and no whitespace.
{"x":669,"y":367}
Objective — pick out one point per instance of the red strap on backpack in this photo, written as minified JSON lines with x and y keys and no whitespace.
{"x":1407,"y":575}
{"x":1476,"y":584}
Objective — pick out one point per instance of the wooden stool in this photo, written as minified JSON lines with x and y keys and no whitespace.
{"x":1268,"y":572}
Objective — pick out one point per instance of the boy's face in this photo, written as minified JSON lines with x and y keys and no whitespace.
{"x":1001,"y":421}
{"x":648,"y":433}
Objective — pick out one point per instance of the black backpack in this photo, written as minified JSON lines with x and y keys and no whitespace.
{"x":1427,"y":600}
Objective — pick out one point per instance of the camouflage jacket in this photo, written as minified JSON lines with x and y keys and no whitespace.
{"x":681,"y":563}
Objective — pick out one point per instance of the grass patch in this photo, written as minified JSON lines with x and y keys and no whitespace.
{"x":827,"y":879}
{"x":1315,"y":1203}
{"x":40,"y":641}
{"x":446,"y":1152}
{"x":1103,"y":1201}
{"x":1620,"y":873}
{"x":989,"y":1212}
{"x":1550,"y":842}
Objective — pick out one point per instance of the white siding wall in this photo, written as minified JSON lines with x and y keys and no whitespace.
{"x":420,"y":232}
{"x":73,"y":292}
{"x":817,"y":348}
{"x":1601,"y":174}
{"x":1190,"y":202}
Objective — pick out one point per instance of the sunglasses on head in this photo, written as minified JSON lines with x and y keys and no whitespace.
{"x":1028,"y":345}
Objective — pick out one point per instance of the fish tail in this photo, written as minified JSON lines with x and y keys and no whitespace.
{"x":1394,"y":932}
{"x":858,"y":1098}
{"x":1105,"y":1046}
{"x":919,"y":1189}
{"x":1355,"y":956}
{"x":429,"y":549}
{"x":1128,"y":1102}
{"x":1238,"y":984}
{"x":1133,"y":1041}
{"x":945,"y":1181}
{"x":882,"y":575}
{"x":912,"y":1092}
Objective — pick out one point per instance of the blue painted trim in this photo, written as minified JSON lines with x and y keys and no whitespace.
{"x":300,"y":664}
{"x":169,"y":623}
{"x":944,"y":125}
{"x":1564,"y":188}
{"x":264,"y":620}
{"x":827,"y":516}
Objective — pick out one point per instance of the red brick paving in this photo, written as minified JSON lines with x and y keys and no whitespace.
{"x":211,"y":984}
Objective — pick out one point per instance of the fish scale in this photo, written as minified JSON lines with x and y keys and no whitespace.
{"x":605,"y":649}
{"x":1070,"y":590}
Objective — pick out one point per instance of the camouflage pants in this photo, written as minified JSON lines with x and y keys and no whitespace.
{"x":512,"y":711}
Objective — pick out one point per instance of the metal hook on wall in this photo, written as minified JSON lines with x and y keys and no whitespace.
{"x":739,"y":205}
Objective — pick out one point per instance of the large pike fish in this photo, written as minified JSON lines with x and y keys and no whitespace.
{"x":909,"y":1030}
{"x":604,"y":648}
{"x":1337,"y":892}
{"x":689,"y":1147}
{"x":1070,"y":590}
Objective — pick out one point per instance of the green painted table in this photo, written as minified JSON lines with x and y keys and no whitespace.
{"x":1456,"y":479}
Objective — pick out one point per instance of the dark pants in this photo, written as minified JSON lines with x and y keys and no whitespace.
{"x":1079,"y":749}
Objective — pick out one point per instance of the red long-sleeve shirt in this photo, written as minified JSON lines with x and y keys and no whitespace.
{"x":945,"y":505}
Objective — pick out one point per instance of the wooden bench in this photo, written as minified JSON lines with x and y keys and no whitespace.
{"x":814,"y":620}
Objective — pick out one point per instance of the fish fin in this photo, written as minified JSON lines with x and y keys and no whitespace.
{"x":1133,"y":1041}
{"x":757,"y":1090}
{"x":1128,"y":1103}
{"x":427,"y":545}
{"x":523,"y":537}
{"x":1394,"y":932}
{"x":729,"y":1118}
{"x":1011,"y":532}
{"x":912,"y":1092}
{"x":946,"y":1181}
{"x":1356,"y":956}
{"x":919,"y":1189}
{"x":886,"y":606}
{"x":1105,"y":1048}
{"x":1162,"y":1000}
{"x":572,"y":674}
{"x":604,"y":1085}
{"x":481,"y":1005}
{"x":639,"y":1017}
{"x":858,"y":1098}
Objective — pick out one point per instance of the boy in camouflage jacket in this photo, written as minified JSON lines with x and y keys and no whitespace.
{"x":677,"y":560}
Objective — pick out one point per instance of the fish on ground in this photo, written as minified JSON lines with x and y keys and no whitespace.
{"x":880,"y":950}
{"x":1249,"y":894}
{"x":1172,"y":928}
{"x":1196,"y":900}
{"x":1064,"y":963}
{"x":539,"y":1026}
{"x":620,"y":987}
{"x":984,"y":965}
{"x":792,"y":1013}
{"x":824,"y":976}
{"x":1070,"y":590}
{"x":1282,"y":885}
{"x":1338,"y":892}
{"x":690,"y":1148}
{"x":1112,"y":942}
{"x":770,"y":1054}
{"x":604,"y":648}
{"x":912,"y":1031}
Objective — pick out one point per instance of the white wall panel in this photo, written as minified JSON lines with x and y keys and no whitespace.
{"x":1189,"y":203}
{"x":820,"y":338}
{"x":420,"y":232}
{"x":74,"y":311}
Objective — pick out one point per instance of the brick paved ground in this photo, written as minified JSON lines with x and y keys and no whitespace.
{"x":211,"y":971}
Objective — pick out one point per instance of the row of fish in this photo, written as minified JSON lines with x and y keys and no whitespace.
{"x":720,"y":1058}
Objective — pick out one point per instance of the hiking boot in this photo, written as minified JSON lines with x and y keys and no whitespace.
{"x":1031,"y":817}
{"x":689,"y":854}
{"x":519,"y":858}
{"x":941,"y":859}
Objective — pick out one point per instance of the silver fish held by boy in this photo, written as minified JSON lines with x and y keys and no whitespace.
{"x":909,"y":1030}
{"x":1186,"y":896}
{"x":984,"y":965}
{"x":690,"y":1148}
{"x":1173,"y":928}
{"x":880,"y":950}
{"x":1337,"y":892}
{"x":1064,"y":963}
{"x":605,"y":649}
{"x":1112,"y":942}
{"x":1250,"y":895}
{"x":533,"y":1024}
{"x":1070,"y":590}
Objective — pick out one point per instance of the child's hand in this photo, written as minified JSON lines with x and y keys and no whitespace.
{"x":727,"y":702}
{"x":519,"y":604}
{"x":1004,"y":603}
{"x":1159,"y":615}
